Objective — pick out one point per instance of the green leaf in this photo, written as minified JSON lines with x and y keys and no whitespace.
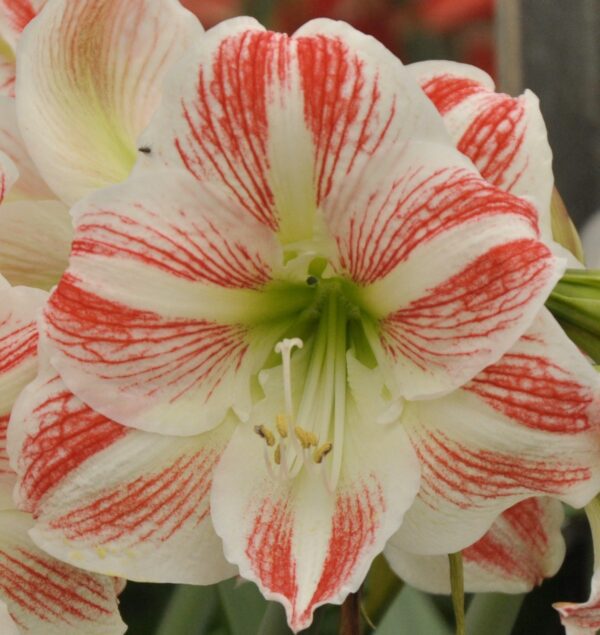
{"x":413,"y":613}
{"x":494,"y":613}
{"x":191,"y":611}
{"x":274,"y":621}
{"x":243,"y":606}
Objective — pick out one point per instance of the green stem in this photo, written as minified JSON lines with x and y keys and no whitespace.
{"x":493,"y":613}
{"x":458,"y":590}
{"x":383,"y":585}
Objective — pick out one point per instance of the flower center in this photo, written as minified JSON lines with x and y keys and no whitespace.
{"x":309,"y":434}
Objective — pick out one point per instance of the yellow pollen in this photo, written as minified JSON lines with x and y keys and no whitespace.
{"x":307,"y":439}
{"x":320,"y":453}
{"x":277,"y":454}
{"x":266,"y":434}
{"x":282,"y":426}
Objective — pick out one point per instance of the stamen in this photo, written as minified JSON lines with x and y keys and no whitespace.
{"x":307,"y":439}
{"x":266,"y":434}
{"x":277,"y":454}
{"x":282,"y":426}
{"x":320,"y":453}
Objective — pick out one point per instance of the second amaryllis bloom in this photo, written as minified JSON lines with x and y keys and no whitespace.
{"x":289,"y":293}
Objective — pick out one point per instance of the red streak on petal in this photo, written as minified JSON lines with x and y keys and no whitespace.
{"x":468,"y":476}
{"x":495,"y":137}
{"x":18,"y":13}
{"x":18,"y":342}
{"x":341,"y":108}
{"x":142,"y":350}
{"x":447,"y":91}
{"x":52,"y":591}
{"x":516,"y":546}
{"x":354,"y":526}
{"x":269,"y":548}
{"x":196,"y":250}
{"x":227,"y":123}
{"x":487,"y":297}
{"x":151,"y":507}
{"x":416,"y":210}
{"x":535,"y":392}
{"x":68,"y":434}
{"x":5,"y":468}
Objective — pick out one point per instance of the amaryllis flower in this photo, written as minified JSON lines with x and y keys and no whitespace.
{"x":38,"y":594}
{"x":296,"y":281}
{"x":522,"y":547}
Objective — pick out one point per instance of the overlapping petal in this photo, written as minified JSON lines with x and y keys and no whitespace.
{"x":29,"y":185}
{"x":89,"y":79}
{"x":504,"y":136}
{"x":42,"y":596}
{"x":522,"y":547}
{"x":15,"y":15}
{"x":303,"y":543}
{"x":151,"y":324}
{"x":526,"y":426}
{"x":112,"y":499}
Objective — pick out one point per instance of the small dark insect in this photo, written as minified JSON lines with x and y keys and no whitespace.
{"x":311,"y":281}
{"x":145,"y":150}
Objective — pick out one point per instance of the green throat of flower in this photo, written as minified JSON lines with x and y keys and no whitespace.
{"x":313,"y":360}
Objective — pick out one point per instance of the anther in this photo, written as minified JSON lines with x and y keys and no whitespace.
{"x":320,"y":453}
{"x":307,"y":439}
{"x":145,"y":150}
{"x":266,"y":434}
{"x":282,"y":426}
{"x":277,"y":454}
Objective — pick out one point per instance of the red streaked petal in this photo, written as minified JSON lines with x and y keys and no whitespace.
{"x":151,"y":322}
{"x":111,"y":499}
{"x":46,"y":596}
{"x":89,"y":80}
{"x":504,"y":136}
{"x":489,"y":445}
{"x":284,"y":121}
{"x":522,"y":547}
{"x":302,"y":545}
